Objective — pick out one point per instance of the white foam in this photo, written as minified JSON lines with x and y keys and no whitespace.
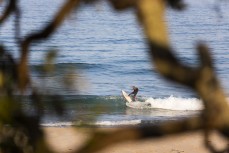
{"x":139,"y":105}
{"x":96,"y":123}
{"x":58,"y":124}
{"x":123,"y":122}
{"x":175,"y":103}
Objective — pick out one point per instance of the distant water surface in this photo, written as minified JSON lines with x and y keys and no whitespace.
{"x":107,"y":51}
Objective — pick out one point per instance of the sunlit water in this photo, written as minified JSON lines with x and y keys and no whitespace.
{"x":105,"y":52}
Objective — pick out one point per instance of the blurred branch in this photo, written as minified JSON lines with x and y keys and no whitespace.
{"x":176,"y":4}
{"x":17,"y":24}
{"x":8,"y":10}
{"x":19,"y":131}
{"x":12,"y":8}
{"x":8,"y":73}
{"x":202,"y":79}
{"x":139,"y":133}
{"x":122,"y":4}
{"x":41,"y":35}
{"x":125,"y":4}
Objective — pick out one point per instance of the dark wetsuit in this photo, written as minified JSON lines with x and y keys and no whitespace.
{"x":134,"y":92}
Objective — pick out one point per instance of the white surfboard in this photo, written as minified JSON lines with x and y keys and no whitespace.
{"x":135,"y":104}
{"x":125,"y":95}
{"x":139,"y":105}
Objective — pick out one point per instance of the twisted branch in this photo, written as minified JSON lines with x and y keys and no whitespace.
{"x":101,"y":140}
{"x":41,"y":35}
{"x":8,"y":10}
{"x":202,"y":79}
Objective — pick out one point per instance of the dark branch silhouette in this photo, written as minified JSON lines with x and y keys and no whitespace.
{"x":41,"y":35}
{"x":8,"y":10}
{"x":202,"y":79}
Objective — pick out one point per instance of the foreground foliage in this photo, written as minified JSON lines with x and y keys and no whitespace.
{"x":21,"y":132}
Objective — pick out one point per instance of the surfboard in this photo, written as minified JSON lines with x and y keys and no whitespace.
{"x":135,"y":104}
{"x":125,"y":95}
{"x":139,"y":105}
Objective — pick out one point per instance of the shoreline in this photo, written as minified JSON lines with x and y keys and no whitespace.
{"x":68,"y":139}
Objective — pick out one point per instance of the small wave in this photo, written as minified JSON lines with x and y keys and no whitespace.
{"x":96,"y":123}
{"x":58,"y":124}
{"x":139,"y":105}
{"x":175,"y":103}
{"x":117,"y":123}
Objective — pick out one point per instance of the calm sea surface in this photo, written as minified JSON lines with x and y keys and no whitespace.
{"x":104,"y":52}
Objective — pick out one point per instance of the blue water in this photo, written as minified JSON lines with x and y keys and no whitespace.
{"x":105,"y":52}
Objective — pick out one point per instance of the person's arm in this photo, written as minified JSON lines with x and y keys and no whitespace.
{"x":131,"y":93}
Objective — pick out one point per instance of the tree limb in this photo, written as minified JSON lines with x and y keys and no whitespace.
{"x":41,"y":35}
{"x":101,"y":140}
{"x":9,"y":9}
{"x":202,"y":79}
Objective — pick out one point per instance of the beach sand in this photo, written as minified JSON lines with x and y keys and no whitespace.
{"x":67,"y":139}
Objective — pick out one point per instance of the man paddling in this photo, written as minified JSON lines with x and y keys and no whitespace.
{"x":135,"y":91}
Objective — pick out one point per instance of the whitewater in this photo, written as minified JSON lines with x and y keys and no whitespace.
{"x":170,"y":103}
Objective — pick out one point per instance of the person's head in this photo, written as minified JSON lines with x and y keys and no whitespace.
{"x":133,"y":87}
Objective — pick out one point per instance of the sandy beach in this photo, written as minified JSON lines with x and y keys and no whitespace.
{"x":67,"y":139}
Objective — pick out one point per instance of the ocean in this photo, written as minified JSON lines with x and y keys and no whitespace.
{"x":104,"y":52}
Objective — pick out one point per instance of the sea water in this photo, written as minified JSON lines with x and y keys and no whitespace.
{"x":105,"y":52}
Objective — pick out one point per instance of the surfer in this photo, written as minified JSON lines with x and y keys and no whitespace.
{"x":135,"y":91}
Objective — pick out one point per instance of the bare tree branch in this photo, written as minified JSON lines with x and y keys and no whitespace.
{"x":202,"y":79}
{"x":9,"y":9}
{"x":123,"y":4}
{"x":139,"y":133}
{"x":41,"y":35}
{"x":17,"y":24}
